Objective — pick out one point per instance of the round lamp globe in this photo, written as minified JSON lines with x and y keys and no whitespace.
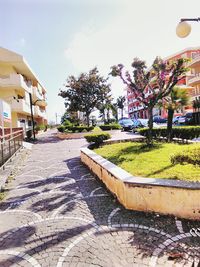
{"x":183,"y":29}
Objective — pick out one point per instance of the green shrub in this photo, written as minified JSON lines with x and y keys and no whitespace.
{"x":187,"y":132}
{"x":61,"y":128}
{"x":67,"y":123}
{"x":107,"y":127}
{"x":74,"y":129}
{"x":190,"y":156}
{"x":40,"y":127}
{"x":80,"y":129}
{"x":97,"y":138}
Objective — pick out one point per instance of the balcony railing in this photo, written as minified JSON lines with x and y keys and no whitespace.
{"x":15,"y":80}
{"x":38,"y":112}
{"x":196,"y":59}
{"x":37,"y":94}
{"x":194,"y":80}
{"x":20,"y":106}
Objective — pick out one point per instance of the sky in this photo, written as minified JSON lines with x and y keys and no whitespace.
{"x":59,"y":38}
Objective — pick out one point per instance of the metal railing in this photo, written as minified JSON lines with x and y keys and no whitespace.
{"x":9,"y":144}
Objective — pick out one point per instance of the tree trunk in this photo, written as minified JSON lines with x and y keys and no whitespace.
{"x":108,"y":115}
{"x":169,"y":124}
{"x":104,"y":117}
{"x":150,"y":124}
{"x":122,"y":110}
{"x":88,"y":119}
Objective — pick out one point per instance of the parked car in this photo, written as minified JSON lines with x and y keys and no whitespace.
{"x":175,"y":119}
{"x":137,"y":123}
{"x":144,"y":123}
{"x":127,"y":124}
{"x":182,"y":120}
{"x":159,"y":119}
{"x":121,"y":120}
{"x":189,"y":118}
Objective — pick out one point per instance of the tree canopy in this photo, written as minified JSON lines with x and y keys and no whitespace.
{"x":85,"y":92}
{"x":149,"y":86}
{"x":121,"y":103}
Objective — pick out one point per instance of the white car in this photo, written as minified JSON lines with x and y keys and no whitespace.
{"x":144,"y":122}
{"x":181,"y":120}
{"x":175,"y":119}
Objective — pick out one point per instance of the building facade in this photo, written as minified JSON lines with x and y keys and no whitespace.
{"x":189,"y":82}
{"x":194,"y":79}
{"x":21,"y":89}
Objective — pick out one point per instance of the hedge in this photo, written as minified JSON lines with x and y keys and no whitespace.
{"x":79,"y":129}
{"x":107,"y":127}
{"x":190,"y":156}
{"x":97,"y":138}
{"x":40,"y":127}
{"x":61,"y":128}
{"x":187,"y":132}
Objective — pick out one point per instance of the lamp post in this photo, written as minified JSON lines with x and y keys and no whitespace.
{"x":183,"y":29}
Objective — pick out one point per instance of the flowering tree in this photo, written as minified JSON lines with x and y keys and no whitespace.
{"x":150,"y":86}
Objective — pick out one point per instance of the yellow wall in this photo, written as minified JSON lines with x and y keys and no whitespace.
{"x":181,"y":202}
{"x":6,"y":69}
{"x":7,"y":93}
{"x":14,"y":119}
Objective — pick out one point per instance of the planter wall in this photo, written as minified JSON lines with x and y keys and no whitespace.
{"x":178,"y":198}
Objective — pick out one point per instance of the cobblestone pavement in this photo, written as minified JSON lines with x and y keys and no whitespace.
{"x":58,"y":214}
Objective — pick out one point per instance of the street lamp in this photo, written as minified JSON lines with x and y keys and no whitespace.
{"x":183,"y":29}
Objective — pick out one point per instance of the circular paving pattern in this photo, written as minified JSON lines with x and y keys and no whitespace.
{"x":57,"y":214}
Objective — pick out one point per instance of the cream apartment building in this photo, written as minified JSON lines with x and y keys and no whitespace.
{"x":18,"y":86}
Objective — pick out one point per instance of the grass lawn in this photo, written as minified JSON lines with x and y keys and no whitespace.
{"x":150,"y":162}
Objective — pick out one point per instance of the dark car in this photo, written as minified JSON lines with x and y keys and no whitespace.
{"x":189,"y":120}
{"x":159,"y":119}
{"x":127,"y":124}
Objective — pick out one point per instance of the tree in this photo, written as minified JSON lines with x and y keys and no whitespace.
{"x":196,"y":104}
{"x":85,"y":92}
{"x":120,"y":104}
{"x":149,"y":86}
{"x":114,"y":109}
{"x":175,"y":100}
{"x":105,"y":105}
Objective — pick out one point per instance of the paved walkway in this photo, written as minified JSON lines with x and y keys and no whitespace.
{"x":58,"y":214}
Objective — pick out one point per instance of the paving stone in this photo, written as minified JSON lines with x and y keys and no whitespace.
{"x":57,"y":213}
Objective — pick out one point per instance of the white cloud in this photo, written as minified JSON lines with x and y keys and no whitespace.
{"x":140,"y":29}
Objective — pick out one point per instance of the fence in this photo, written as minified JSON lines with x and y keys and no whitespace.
{"x":9,"y":144}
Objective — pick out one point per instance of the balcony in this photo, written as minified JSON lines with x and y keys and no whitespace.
{"x":195,"y":80}
{"x":195,"y":62}
{"x":15,"y":81}
{"x":20,"y":106}
{"x":36,"y":93}
{"x":39,"y":112}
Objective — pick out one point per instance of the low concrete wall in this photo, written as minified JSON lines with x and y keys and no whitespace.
{"x":178,"y":198}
